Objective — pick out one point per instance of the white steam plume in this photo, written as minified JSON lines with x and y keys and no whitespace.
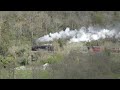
{"x":82,"y":34}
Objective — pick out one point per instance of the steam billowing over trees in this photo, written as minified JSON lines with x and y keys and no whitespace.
{"x":20,"y":29}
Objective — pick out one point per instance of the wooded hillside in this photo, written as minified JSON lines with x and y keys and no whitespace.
{"x":20,"y":29}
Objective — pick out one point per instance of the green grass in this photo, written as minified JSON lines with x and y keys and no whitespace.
{"x":52,"y":59}
{"x":4,"y":74}
{"x":23,"y":74}
{"x":44,"y":75}
{"x":29,"y":74}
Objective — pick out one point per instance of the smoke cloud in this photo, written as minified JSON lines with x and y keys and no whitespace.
{"x":83,"y":34}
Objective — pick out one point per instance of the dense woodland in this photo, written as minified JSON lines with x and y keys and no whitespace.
{"x":20,"y":29}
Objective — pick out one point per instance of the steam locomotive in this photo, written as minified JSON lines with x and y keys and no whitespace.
{"x":48,"y":47}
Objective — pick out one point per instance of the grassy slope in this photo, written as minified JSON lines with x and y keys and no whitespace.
{"x":82,"y":59}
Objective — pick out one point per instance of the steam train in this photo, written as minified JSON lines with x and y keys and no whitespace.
{"x":48,"y":47}
{"x":99,"y":49}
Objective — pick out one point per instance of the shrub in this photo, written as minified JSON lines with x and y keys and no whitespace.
{"x":107,"y":52}
{"x":80,"y":66}
{"x":53,"y":59}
